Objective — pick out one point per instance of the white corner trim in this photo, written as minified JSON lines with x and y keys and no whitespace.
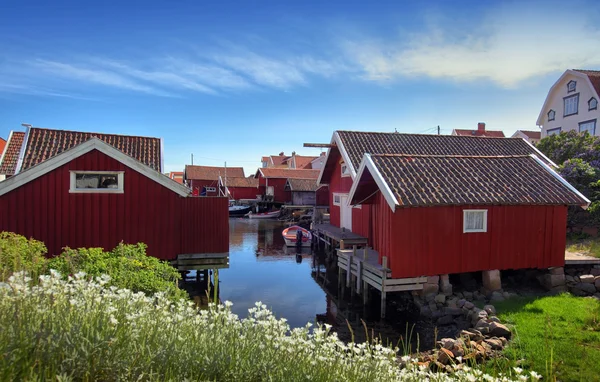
{"x":320,"y":178}
{"x":94,"y":143}
{"x":6,"y":146}
{"x":21,"y":156}
{"x":162,"y":156}
{"x":367,"y":162}
{"x":563,"y":181}
{"x":344,"y":154}
{"x":540,"y":153}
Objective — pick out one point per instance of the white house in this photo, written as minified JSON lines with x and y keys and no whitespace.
{"x":572,"y":104}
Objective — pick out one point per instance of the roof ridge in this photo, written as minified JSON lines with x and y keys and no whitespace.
{"x":450,"y":156}
{"x":426,"y":135}
{"x":93,"y":132}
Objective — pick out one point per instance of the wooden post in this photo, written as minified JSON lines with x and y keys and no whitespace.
{"x":365,"y":293}
{"x":216,"y":277}
{"x":359,"y":273}
{"x":342,"y":246}
{"x":349,"y":272}
{"x":383,"y":277}
{"x":365,"y":252}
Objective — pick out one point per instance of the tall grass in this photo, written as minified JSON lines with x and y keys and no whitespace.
{"x":81,"y":329}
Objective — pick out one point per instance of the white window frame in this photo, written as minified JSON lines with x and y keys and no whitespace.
{"x":595,"y":101}
{"x":554,"y":131}
{"x":569,"y":89}
{"x":339,"y":202}
{"x":345,"y":170}
{"x":485,"y":218}
{"x":210,"y":189}
{"x":553,"y":115}
{"x":576,"y":103}
{"x":120,"y":183}
{"x":590,"y":122}
{"x":270,"y":191}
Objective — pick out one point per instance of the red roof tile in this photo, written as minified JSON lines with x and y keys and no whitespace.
{"x":242,"y":182}
{"x":2,"y":145}
{"x":304,"y":162}
{"x":594,"y":76}
{"x":309,"y":185}
{"x":477,"y":133}
{"x":212,"y":173}
{"x":532,"y":134}
{"x":43,"y":144}
{"x":289,"y":173}
{"x":278,"y":160}
{"x":458,"y":180}
{"x":10,"y":156}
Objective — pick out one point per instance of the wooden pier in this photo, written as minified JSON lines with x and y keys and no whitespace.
{"x":201,"y":261}
{"x":332,"y":236}
{"x":359,"y":268}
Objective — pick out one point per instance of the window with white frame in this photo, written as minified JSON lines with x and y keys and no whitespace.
{"x":571,"y":86}
{"x":571,"y":104}
{"x":589,"y":126}
{"x":211,"y":189}
{"x":96,"y":182}
{"x":551,"y":115}
{"x":592,"y":104}
{"x":554,"y":131}
{"x":474,"y":221}
{"x":337,"y":199}
{"x":345,"y":169}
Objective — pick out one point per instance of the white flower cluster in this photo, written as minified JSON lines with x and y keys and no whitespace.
{"x":83,"y":329}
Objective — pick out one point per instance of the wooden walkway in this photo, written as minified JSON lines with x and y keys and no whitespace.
{"x":572,"y":258}
{"x":201,"y":261}
{"x":331,"y":235}
{"x":362,"y":268}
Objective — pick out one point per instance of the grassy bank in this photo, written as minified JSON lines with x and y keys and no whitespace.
{"x":588,"y":246}
{"x":557,"y":336}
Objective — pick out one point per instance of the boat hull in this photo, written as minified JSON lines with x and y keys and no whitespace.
{"x":291,"y":240}
{"x":239,"y":211}
{"x":264,"y":215}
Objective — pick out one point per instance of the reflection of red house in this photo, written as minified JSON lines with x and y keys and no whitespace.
{"x":91,"y":194}
{"x":207,"y":178}
{"x":449,"y":204}
{"x":273,"y":181}
{"x":240,"y":188}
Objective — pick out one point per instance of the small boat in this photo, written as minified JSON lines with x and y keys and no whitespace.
{"x":263,"y":215}
{"x":239,"y":210}
{"x":291,"y":239}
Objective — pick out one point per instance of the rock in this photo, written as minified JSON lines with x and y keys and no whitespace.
{"x":496,"y":296}
{"x":430,"y":297}
{"x":499,"y":330}
{"x":494,"y":319}
{"x":495,"y":343}
{"x":469,"y":305}
{"x":433,"y":280}
{"x":570,"y":279}
{"x":433,"y":306}
{"x":483,"y":330}
{"x":451,"y":302}
{"x":459,"y":295}
{"x":587,"y":279}
{"x":597,"y":283}
{"x":445,"y":286}
{"x":596,"y":296}
{"x":586,"y":287}
{"x":446,"y":343}
{"x":444,"y":355}
{"x":491,"y":280}
{"x":578,"y":292}
{"x":425,"y":311}
{"x":506,"y":295}
{"x":460,"y":303}
{"x":490,"y":310}
{"x":452,"y":311}
{"x":429,"y":290}
{"x":483,"y":323}
{"x":595,"y":271}
{"x":468,"y":295}
{"x":557,"y":271}
{"x":445,"y":320}
{"x":472,"y":334}
{"x":549,"y":280}
{"x":440,"y":298}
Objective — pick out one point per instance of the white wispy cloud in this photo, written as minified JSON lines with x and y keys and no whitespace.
{"x":510,"y":43}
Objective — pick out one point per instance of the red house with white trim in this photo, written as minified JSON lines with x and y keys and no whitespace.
{"x":449,"y":204}
{"x":75,"y":189}
{"x":241,"y":188}
{"x":273,"y":180}
{"x":204,"y":180}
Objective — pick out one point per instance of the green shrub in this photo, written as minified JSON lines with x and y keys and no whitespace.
{"x":127,"y":265}
{"x":17,"y":253}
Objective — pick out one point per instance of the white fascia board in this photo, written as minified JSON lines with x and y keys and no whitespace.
{"x":344,"y":154}
{"x":21,"y":156}
{"x":320,"y":178}
{"x":563,"y":181}
{"x":367,"y":163}
{"x":540,"y":154}
{"x":162,"y":155}
{"x":94,"y":143}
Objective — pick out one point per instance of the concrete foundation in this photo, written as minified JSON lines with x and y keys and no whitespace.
{"x":491,"y":280}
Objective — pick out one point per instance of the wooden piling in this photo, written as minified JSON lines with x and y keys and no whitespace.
{"x":383,"y":294}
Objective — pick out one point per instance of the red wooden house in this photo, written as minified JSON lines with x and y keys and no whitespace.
{"x":449,"y":204}
{"x":204,"y":180}
{"x":78,"y":190}
{"x":240,"y":188}
{"x":176,"y":176}
{"x":306,"y":192}
{"x":273,"y":181}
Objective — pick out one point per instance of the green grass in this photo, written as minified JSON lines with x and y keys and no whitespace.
{"x":557,"y":336}
{"x":590,"y":247}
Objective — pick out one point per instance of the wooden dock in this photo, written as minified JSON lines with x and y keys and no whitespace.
{"x":362,"y":268}
{"x":201,"y":261}
{"x":332,"y":236}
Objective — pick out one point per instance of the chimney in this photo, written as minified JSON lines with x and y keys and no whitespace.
{"x":281,"y":154}
{"x":481,"y":127}
{"x":293,"y":153}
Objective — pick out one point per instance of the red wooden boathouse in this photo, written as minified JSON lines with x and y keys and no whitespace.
{"x":240,"y":188}
{"x":449,"y":204}
{"x":204,"y":180}
{"x":272,"y":181}
{"x":91,"y":194}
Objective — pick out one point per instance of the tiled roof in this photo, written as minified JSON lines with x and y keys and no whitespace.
{"x":532,"y":134}
{"x":289,"y":173}
{"x":357,"y":143}
{"x":11,"y":153}
{"x":212,"y":173}
{"x":43,"y":144}
{"x":303,"y":184}
{"x":594,"y":76}
{"x":477,"y":133}
{"x":2,"y":145}
{"x":241,"y":182}
{"x":264,"y":159}
{"x":304,"y":162}
{"x":278,"y":160}
{"x":459,"y":180}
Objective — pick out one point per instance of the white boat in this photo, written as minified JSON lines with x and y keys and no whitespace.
{"x":264,"y":215}
{"x":291,"y":239}
{"x":238,"y":210}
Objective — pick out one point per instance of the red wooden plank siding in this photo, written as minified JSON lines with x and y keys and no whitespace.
{"x":338,"y":184}
{"x":430,"y":241}
{"x":146,"y":212}
{"x":244,"y":192}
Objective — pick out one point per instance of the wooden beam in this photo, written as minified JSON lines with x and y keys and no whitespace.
{"x":321,"y":145}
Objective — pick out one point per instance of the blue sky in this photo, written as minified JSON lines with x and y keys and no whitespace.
{"x":235,"y":81}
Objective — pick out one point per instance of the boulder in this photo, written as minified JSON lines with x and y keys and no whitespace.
{"x":440,"y":298}
{"x":471,"y":334}
{"x":469,"y":305}
{"x":595,"y":271}
{"x":569,"y":279}
{"x":452,"y":311}
{"x":557,"y":271}
{"x":446,"y":343}
{"x":585,"y":287}
{"x":587,"y":279}
{"x":460,"y":303}
{"x":491,"y":280}
{"x":494,"y":319}
{"x":468,"y":295}
{"x":490,"y":310}
{"x":549,"y":280}
{"x":495,"y":343}
{"x":445,"y":320}
{"x":429,"y":290}
{"x":497,"y":296}
{"x":499,"y":330}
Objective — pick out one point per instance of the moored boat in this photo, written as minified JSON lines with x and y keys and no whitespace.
{"x":239,"y":210}
{"x":263,"y":215}
{"x":290,"y":236}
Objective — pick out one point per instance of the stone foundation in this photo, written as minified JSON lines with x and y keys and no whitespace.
{"x":491,"y":280}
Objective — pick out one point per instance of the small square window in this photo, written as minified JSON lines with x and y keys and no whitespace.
{"x":571,"y":86}
{"x":474,"y":221}
{"x":551,"y":115}
{"x":592,"y":104}
{"x":96,"y":182}
{"x":337,"y":199}
{"x":345,"y":169}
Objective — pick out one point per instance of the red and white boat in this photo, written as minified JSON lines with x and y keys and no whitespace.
{"x":263,"y":215}
{"x":290,"y":238}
